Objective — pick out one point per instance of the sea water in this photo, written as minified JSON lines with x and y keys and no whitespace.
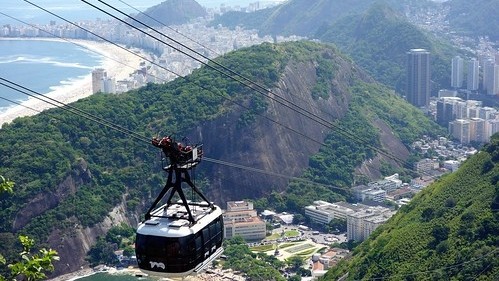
{"x":42,"y":66}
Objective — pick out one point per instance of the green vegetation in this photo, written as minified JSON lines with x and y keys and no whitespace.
{"x":334,"y":165}
{"x":6,"y":185}
{"x":263,"y":248}
{"x":379,"y":40}
{"x":259,"y":266}
{"x":118,"y":237}
{"x":100,"y":167}
{"x":300,"y":17}
{"x":450,"y":231}
{"x":43,"y":151}
{"x":475,"y":18}
{"x":30,"y":266}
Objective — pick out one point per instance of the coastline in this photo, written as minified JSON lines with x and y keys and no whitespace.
{"x":117,"y":62}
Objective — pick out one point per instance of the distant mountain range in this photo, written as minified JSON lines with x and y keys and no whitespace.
{"x":375,"y":34}
{"x":475,"y":18}
{"x":379,"y":39}
{"x":304,"y":17}
{"x":171,"y":12}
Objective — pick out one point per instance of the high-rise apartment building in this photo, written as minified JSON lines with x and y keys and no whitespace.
{"x":418,"y":77}
{"x":362,"y":223}
{"x":477,"y":130}
{"x":457,"y":75}
{"x":473,"y":79}
{"x":491,"y":77}
{"x":98,"y":76}
{"x":460,"y":129}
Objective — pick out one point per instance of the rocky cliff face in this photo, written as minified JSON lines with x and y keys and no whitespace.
{"x":46,"y":201}
{"x":73,"y":244}
{"x":269,"y":145}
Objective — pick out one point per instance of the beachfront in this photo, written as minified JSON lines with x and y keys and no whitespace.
{"x":209,"y":275}
{"x":117,"y":62}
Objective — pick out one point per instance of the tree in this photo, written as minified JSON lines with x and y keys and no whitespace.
{"x":31,"y":266}
{"x":6,"y":185}
{"x":295,"y":262}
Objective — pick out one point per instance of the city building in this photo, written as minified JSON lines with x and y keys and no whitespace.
{"x":109,"y":85}
{"x":451,"y":165}
{"x":388,"y":183}
{"x":98,"y":76}
{"x":444,"y":93}
{"x":362,"y":223}
{"x":323,"y":212}
{"x":457,"y":72}
{"x":425,"y":166}
{"x":473,"y":78}
{"x":491,"y":77}
{"x":477,"y":130}
{"x":418,"y":77}
{"x":491,"y":127}
{"x":241,"y":220}
{"x":446,"y":110}
{"x":374,"y":194}
{"x":460,"y":130}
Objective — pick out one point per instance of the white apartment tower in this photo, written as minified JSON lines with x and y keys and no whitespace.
{"x":457,"y":76}
{"x":460,"y":129}
{"x":491,"y":77}
{"x":477,"y":130}
{"x":98,"y":75}
{"x":473,"y":75}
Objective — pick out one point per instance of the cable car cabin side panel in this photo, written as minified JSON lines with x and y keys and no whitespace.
{"x":176,"y":252}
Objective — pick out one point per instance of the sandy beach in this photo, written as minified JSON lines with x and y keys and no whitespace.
{"x":117,"y":62}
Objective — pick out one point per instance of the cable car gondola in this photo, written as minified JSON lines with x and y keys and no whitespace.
{"x":179,"y":238}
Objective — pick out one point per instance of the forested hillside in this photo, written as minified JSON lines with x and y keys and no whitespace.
{"x":475,"y":18}
{"x":379,"y":39}
{"x":171,"y":12}
{"x":304,"y":17}
{"x":375,"y":34}
{"x":71,"y":173}
{"x":450,"y":231}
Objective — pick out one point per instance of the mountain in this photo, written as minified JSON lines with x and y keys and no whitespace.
{"x":303,"y":17}
{"x":477,"y":18}
{"x":171,"y":12}
{"x":379,"y":39}
{"x":75,"y":177}
{"x":450,"y":231}
{"x":375,"y":34}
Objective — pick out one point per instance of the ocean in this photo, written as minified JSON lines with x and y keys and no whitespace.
{"x":42,"y":66}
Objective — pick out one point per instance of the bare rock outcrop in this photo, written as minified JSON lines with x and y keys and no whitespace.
{"x":79,"y":175}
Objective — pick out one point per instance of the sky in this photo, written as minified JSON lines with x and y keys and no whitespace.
{"x":78,"y":10}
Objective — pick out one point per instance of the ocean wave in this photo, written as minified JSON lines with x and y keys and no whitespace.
{"x":41,"y":60}
{"x":67,"y":83}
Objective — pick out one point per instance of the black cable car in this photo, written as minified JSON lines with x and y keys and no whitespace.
{"x":179,"y":238}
